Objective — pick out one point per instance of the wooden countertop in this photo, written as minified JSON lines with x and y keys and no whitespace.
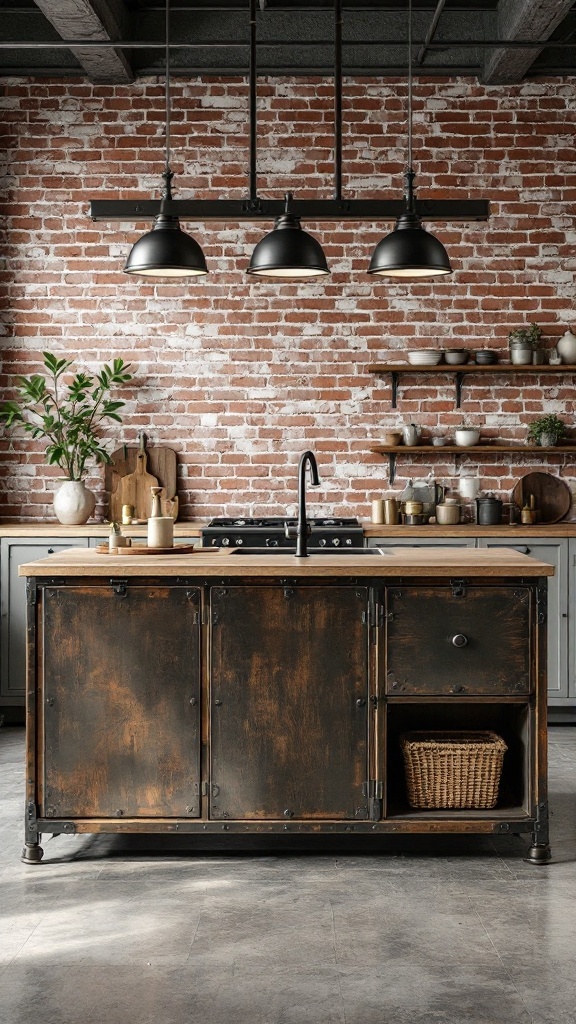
{"x":208,"y":562}
{"x":562,"y":529}
{"x":192,"y":528}
{"x":52,"y":528}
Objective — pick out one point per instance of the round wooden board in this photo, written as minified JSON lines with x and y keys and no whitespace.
{"x":552,"y":495}
{"x":141,"y":549}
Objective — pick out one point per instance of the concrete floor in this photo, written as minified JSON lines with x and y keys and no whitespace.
{"x":115,"y":930}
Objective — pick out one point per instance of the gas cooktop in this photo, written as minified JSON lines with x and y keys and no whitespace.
{"x":269,"y":531}
{"x":279,"y":521}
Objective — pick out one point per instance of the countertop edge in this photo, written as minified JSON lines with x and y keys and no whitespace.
{"x":441,"y":562}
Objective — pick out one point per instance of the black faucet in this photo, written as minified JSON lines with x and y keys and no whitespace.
{"x":303,"y":529}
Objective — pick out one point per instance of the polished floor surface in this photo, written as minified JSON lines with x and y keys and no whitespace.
{"x":130,"y":930}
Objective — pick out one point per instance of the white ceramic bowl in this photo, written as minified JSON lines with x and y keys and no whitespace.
{"x":425,"y":357}
{"x":466,"y":438}
{"x":456,"y":358}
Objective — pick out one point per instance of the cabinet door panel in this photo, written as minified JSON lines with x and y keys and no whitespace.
{"x":443,"y":642}
{"x":121,"y":701}
{"x":289,"y":702}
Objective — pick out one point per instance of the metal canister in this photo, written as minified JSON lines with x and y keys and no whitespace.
{"x":391,"y":512}
{"x":127,"y":514}
{"x":413,"y":508}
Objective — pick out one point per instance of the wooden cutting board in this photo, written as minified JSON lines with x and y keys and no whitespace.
{"x":135,"y":488}
{"x":552,"y":496}
{"x":141,"y":549}
{"x":161,"y":464}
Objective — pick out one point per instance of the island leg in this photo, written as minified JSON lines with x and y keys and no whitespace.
{"x":32,"y":853}
{"x":540,"y":853}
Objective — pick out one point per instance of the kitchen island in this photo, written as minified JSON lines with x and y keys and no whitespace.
{"x":223,"y":691}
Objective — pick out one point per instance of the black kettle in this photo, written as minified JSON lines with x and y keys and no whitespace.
{"x":488,"y":511}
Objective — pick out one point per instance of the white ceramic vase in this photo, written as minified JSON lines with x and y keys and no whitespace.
{"x":566,"y":348}
{"x":74,"y":503}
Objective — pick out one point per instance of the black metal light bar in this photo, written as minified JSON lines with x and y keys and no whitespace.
{"x":130,"y":210}
{"x":119,"y":44}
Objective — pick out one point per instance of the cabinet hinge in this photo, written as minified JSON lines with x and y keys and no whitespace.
{"x":119,"y":587}
{"x":542,"y":601}
{"x":374,"y":618}
{"x":458,"y":587}
{"x":31,"y":827}
{"x":373,"y":789}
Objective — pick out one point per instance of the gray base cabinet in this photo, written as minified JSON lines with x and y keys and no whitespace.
{"x":554,"y":550}
{"x":13,"y":553}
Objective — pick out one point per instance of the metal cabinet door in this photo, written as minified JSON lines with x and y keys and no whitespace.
{"x":289,"y":702}
{"x":468,"y":641}
{"x":15,"y":552}
{"x":121,"y":701}
{"x":553,"y":550}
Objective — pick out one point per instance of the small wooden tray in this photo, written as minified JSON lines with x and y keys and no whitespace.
{"x":141,"y":549}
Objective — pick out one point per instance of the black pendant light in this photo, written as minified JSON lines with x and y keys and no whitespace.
{"x":166,"y":250}
{"x":409,"y":250}
{"x":287,"y":251}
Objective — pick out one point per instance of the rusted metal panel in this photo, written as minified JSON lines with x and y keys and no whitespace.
{"x":289,"y":702}
{"x":121,"y":701}
{"x":459,"y":640}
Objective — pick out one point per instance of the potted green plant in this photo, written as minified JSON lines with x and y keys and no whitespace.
{"x":547,"y":430}
{"x":525,"y":345}
{"x":69,"y":416}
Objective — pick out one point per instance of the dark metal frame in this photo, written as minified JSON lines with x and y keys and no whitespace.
{"x":267,"y":209}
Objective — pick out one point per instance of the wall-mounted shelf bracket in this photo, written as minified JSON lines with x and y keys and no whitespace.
{"x":395,"y":381}
{"x":391,"y":467}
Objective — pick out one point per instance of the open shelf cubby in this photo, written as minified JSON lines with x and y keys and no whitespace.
{"x":512,"y":721}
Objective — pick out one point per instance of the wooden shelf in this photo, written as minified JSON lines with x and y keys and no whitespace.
{"x":392,"y":451}
{"x":459,"y":372}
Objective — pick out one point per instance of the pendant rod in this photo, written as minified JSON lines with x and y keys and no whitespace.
{"x":409,"y":85}
{"x":167,"y":85}
{"x":252,"y":91}
{"x":337,"y":99}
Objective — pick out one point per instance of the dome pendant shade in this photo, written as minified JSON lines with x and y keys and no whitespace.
{"x":409,"y":251}
{"x":288,"y":251}
{"x":166,"y":251}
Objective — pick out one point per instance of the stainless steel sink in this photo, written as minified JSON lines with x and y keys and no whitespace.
{"x":357,"y":552}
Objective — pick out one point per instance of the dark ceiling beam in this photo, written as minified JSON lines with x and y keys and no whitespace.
{"x":103,"y":20}
{"x":430,"y":33}
{"x":522,"y":19}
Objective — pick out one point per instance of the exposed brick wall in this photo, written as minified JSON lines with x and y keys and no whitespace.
{"x":241,"y":375}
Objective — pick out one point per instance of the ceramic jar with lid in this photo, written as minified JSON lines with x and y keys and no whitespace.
{"x":488,"y":510}
{"x":448,"y":512}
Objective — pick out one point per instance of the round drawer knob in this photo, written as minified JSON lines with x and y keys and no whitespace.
{"x":459,"y":640}
{"x":457,"y":689}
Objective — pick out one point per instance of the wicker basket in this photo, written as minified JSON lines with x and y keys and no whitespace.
{"x":452,"y":769}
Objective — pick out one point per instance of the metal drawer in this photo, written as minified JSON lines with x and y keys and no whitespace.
{"x":458,"y":640}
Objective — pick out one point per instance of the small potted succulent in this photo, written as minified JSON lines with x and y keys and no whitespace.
{"x":525,"y":345}
{"x":69,"y":417}
{"x":547,"y":430}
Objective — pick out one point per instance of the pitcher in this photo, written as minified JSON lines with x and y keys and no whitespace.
{"x":411,"y":434}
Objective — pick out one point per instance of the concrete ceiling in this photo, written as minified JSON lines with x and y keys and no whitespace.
{"x":116,"y":41}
